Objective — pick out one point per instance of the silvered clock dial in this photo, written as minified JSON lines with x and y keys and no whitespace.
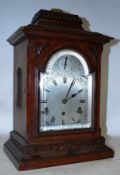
{"x":65,"y":93}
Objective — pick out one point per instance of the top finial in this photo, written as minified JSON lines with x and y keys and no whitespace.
{"x":58,"y":10}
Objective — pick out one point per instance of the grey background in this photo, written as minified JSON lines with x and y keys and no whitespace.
{"x":103,"y":17}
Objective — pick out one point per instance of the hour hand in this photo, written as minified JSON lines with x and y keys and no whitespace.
{"x":65,"y":100}
{"x":74,"y":95}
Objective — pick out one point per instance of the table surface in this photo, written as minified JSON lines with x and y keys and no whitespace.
{"x":100,"y":167}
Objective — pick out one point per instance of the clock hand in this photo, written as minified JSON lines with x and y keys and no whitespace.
{"x":46,"y":90}
{"x":65,"y":64}
{"x":72,"y":83}
{"x":74,"y":95}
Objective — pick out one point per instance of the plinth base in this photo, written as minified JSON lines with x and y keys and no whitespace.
{"x":30,"y":156}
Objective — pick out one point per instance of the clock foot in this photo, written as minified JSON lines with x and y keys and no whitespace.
{"x":28,"y":156}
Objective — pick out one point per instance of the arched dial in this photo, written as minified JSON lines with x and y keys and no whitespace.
{"x":65,"y":93}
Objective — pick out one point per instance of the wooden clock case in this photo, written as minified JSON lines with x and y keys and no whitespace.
{"x":28,"y":148}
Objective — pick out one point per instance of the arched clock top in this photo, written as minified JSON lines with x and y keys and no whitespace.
{"x":67,"y":60}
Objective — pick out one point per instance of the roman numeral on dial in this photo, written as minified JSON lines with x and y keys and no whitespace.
{"x":64,"y":79}
{"x":79,"y":121}
{"x":46,"y":90}
{"x":79,"y":110}
{"x":43,"y":101}
{"x":52,"y":120}
{"x":82,"y":101}
{"x":55,"y":83}
{"x":73,"y":119}
{"x":45,"y":112}
{"x":63,"y":122}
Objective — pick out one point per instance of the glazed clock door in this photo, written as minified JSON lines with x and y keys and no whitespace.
{"x":66,"y":93}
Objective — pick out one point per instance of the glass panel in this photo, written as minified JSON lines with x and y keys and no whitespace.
{"x":65,"y":93}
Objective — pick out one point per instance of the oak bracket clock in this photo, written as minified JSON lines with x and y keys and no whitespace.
{"x":57,"y":78}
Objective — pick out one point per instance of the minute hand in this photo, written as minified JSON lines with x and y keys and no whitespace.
{"x":72,"y":83}
{"x":74,"y":95}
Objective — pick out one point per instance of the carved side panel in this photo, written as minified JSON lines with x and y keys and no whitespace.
{"x":39,"y":48}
